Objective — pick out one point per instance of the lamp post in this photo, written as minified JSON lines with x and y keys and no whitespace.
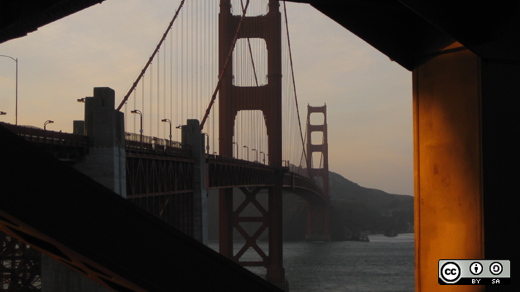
{"x":45,"y":124}
{"x":179,"y":127}
{"x":237,"y":148}
{"x":247,"y":151}
{"x":16,"y":107}
{"x":262,"y":152}
{"x":207,"y":142}
{"x":256,"y":154}
{"x":141,"y":115}
{"x":170,"y":122}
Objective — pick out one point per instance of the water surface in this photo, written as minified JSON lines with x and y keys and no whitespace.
{"x":385,"y":264}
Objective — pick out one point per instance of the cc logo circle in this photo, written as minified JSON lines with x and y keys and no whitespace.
{"x":450,"y":272}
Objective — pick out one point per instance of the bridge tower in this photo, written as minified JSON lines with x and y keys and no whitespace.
{"x":268,"y":99}
{"x":318,"y":215}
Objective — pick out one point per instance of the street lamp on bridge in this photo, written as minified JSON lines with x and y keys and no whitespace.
{"x":256,"y":154}
{"x":47,"y":122}
{"x":247,"y":151}
{"x":170,"y":122}
{"x":262,"y":152}
{"x":141,"y":115}
{"x":237,"y":148}
{"x":207,"y":142}
{"x":16,"y":107}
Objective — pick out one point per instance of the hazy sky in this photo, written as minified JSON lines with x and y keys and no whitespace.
{"x":368,"y":97}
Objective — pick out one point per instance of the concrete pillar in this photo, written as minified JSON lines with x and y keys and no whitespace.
{"x":106,"y":164}
{"x":192,"y":136}
{"x":449,"y":200}
{"x":104,"y":126}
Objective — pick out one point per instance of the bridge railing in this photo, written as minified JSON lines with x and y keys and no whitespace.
{"x":37,"y":135}
{"x":303,"y":171}
{"x":149,"y":144}
{"x":230,"y":172}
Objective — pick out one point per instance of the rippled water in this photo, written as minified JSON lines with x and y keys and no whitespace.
{"x":385,"y":264}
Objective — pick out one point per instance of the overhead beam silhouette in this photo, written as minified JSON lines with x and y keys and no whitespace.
{"x":89,"y":228}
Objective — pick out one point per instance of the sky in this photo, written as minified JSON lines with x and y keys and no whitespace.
{"x":368,"y":96}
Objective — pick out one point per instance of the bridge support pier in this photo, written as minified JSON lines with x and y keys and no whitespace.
{"x":105,"y":128}
{"x":105,"y":163}
{"x":269,"y":218}
{"x":192,"y":136}
{"x":461,"y":124}
{"x":275,"y":270}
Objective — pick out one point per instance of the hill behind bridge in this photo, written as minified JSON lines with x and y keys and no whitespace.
{"x":354,"y":210}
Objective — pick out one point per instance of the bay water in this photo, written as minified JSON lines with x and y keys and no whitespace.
{"x":385,"y":264}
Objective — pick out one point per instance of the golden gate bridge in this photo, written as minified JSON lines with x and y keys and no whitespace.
{"x":228,"y":65}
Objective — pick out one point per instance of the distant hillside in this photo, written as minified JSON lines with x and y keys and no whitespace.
{"x":365,"y":209}
{"x":353,"y":209}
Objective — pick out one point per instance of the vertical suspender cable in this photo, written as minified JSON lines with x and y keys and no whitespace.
{"x":151,"y":97}
{"x":135,"y":98}
{"x":223,"y":69}
{"x":192,"y":96}
{"x":171,"y":77}
{"x":182,"y":68}
{"x":164,"y":89}
{"x":158,"y":92}
{"x":142,"y":96}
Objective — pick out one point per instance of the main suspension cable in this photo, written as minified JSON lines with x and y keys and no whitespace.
{"x":294,"y":86}
{"x":151,"y":57}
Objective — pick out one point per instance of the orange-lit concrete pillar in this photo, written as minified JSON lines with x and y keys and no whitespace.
{"x":449,"y":203}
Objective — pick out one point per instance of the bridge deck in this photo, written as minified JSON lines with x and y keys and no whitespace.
{"x":91,"y":229}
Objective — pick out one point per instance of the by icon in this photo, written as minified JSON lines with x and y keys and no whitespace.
{"x":475,"y":268}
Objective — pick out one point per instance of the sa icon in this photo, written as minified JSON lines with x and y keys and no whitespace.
{"x":450,"y":272}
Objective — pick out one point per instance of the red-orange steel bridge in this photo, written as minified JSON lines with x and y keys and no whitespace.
{"x":257,"y":110}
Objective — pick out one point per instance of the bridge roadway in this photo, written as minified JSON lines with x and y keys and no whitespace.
{"x":54,"y":213}
{"x":224,"y":172}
